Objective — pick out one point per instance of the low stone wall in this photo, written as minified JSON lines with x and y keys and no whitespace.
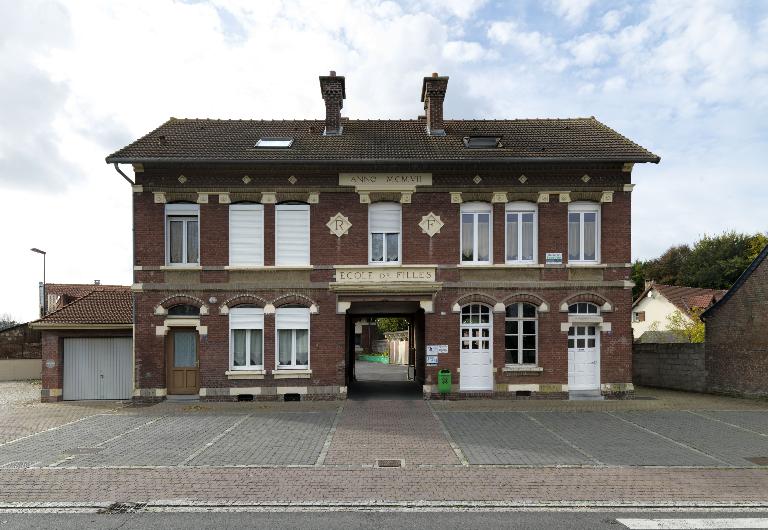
{"x":674,"y":366}
{"x":20,"y":369}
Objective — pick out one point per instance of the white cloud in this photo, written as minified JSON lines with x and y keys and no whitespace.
{"x":573,"y":11}
{"x":612,"y":19}
{"x":462,"y":9}
{"x":590,"y":49}
{"x":462,"y":51}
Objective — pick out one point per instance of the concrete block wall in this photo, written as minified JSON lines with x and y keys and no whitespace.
{"x":675,"y":366}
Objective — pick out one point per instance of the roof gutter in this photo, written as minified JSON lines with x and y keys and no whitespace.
{"x":66,"y":325}
{"x":121,"y":160}
{"x":117,"y":168}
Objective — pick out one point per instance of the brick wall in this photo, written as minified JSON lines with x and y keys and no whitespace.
{"x":736,"y":339}
{"x":679,"y":366}
{"x":20,"y":342}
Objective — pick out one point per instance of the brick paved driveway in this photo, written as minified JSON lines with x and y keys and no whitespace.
{"x":727,"y":433}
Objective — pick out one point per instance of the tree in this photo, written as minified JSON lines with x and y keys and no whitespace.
{"x":691,"y":329}
{"x":389,"y":324}
{"x":7,"y":321}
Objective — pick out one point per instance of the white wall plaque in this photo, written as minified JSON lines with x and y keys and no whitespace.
{"x":554,"y":258}
{"x":431,"y":224}
{"x":339,"y":224}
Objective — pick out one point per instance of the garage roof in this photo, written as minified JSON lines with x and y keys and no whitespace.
{"x":104,"y":309}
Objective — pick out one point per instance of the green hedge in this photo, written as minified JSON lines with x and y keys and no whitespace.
{"x":383,"y":359}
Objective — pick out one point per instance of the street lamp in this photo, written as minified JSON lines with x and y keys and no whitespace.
{"x":44,"y":306}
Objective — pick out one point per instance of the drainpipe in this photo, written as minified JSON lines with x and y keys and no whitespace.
{"x":133,"y":273}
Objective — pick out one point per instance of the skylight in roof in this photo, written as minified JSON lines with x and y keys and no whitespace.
{"x":274,"y":143}
{"x":482,"y":142}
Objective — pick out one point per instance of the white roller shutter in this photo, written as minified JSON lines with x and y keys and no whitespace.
{"x":292,"y":318}
{"x":292,"y":234}
{"x":246,"y":318}
{"x":246,"y":234}
{"x":384,"y":217}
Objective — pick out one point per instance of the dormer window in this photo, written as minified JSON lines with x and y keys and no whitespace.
{"x":274,"y":143}
{"x":482,"y":142}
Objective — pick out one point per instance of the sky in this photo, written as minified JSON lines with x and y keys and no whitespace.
{"x":80,"y":79}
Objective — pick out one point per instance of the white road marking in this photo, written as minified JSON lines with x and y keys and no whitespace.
{"x":686,"y":524}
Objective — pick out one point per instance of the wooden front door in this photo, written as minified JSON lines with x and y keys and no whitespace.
{"x":183,"y":363}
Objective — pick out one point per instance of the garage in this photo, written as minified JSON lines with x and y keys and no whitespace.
{"x":98,"y":368}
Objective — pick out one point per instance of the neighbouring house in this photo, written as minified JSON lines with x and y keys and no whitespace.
{"x":657,"y":303}
{"x":736,"y":342}
{"x":19,"y":353}
{"x":87,"y":347}
{"x":259,"y":243}
{"x":61,"y":294}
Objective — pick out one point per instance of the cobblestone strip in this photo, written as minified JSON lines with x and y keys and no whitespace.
{"x":456,"y":449}
{"x":214,"y":440}
{"x":676,"y":442}
{"x":564,"y":440}
{"x":312,"y":485}
{"x":328,"y":439}
{"x":105,"y":442}
{"x":718,"y":420}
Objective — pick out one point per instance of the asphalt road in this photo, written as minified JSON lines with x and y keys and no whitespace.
{"x":361,"y":520}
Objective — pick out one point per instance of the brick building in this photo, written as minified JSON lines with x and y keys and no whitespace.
{"x":259,"y":244}
{"x":736,"y":345}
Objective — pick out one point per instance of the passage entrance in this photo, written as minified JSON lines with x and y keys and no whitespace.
{"x":380,"y":366}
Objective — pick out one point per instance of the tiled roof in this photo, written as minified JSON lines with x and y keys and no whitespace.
{"x":77,"y":290}
{"x":687,"y":298}
{"x":761,"y":257}
{"x":109,"y":307}
{"x":199,"y":140}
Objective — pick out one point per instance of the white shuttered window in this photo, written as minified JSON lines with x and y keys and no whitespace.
{"x":246,"y":234}
{"x":292,"y":234}
{"x":292,"y":337}
{"x":384,"y":219}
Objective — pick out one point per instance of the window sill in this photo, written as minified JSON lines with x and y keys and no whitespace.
{"x":245,"y":374}
{"x":268,"y":267}
{"x":594,"y":264}
{"x":292,"y":374}
{"x":181,"y":267}
{"x":522,"y":368}
{"x":480,"y":265}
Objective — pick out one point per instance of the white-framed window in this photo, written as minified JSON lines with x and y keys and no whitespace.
{"x":583,"y":232}
{"x":384,"y":241}
{"x":182,"y":234}
{"x":476,"y":233}
{"x":583,"y":308}
{"x":292,"y":337}
{"x":520,"y":334}
{"x":521,"y":226}
{"x":246,"y":338}
{"x":246,"y":234}
{"x":292,"y":234}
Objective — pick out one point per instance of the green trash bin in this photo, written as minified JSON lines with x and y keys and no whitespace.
{"x":444,"y":381}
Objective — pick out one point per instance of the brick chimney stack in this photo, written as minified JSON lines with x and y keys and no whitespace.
{"x":333,"y":92}
{"x":432,"y":94}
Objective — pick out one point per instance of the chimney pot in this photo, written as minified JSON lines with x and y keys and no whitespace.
{"x":433,"y":94}
{"x":333,"y":90}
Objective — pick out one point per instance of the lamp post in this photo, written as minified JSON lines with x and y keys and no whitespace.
{"x":44,"y":307}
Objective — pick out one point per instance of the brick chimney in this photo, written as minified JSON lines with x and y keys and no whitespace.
{"x":432,"y":94}
{"x":333,"y":92}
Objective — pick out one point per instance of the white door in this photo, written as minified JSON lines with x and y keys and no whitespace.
{"x":476,"y":360}
{"x":98,"y":368}
{"x":583,"y":357}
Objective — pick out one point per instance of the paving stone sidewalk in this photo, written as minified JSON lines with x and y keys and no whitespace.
{"x":295,"y":486}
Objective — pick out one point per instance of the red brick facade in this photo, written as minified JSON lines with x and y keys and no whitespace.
{"x":215,"y":288}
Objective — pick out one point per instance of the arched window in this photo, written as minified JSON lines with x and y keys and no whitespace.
{"x":292,"y":337}
{"x":583,"y":308}
{"x":475,"y":328}
{"x":476,"y":233}
{"x":384,"y":220}
{"x":184,"y":310}
{"x":520,"y":333}
{"x":246,"y":337}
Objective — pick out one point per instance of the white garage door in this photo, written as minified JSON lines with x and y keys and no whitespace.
{"x":98,"y":368}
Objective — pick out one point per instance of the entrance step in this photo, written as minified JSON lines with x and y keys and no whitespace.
{"x":585,"y":395}
{"x":183,"y":398}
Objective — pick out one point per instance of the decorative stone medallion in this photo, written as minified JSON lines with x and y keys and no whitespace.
{"x":431,"y":224}
{"x":292,"y":179}
{"x":586,"y":178}
{"x":246,"y":179}
{"x":182,"y":179}
{"x":523,"y":179}
{"x":339,"y":224}
{"x":477,"y":179}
